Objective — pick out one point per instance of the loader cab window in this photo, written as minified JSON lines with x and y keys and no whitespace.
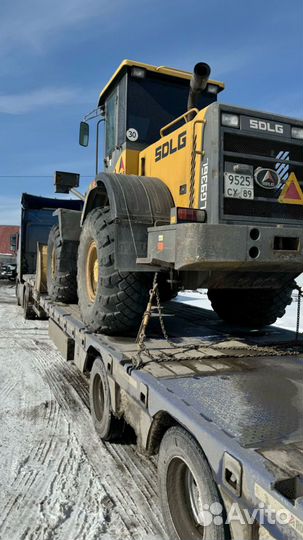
{"x":153,"y":102}
{"x":111,"y":123}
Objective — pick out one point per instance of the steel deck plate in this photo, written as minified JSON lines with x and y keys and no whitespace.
{"x":259,"y":406}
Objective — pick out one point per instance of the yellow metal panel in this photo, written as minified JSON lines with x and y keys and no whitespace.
{"x":176,"y":159}
{"x":128,"y":162}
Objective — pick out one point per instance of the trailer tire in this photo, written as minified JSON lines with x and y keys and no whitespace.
{"x":110,"y":302}
{"x":186,"y":485}
{"x":61,"y":268}
{"x":18,"y":299}
{"x":251,"y":308}
{"x":28,"y":311}
{"x":108,"y":426}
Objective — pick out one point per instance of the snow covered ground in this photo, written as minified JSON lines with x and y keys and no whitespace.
{"x":57,"y":479}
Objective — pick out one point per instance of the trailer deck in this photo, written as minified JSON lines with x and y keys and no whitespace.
{"x":240,"y":394}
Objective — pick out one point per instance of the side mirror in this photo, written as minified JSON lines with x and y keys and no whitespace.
{"x":65,"y":181}
{"x":84,"y":134}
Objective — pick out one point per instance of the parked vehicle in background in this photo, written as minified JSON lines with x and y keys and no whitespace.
{"x":8,"y":271}
{"x":37,"y":218}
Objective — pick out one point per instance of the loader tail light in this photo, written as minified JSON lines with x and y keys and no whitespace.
{"x":183,"y":215}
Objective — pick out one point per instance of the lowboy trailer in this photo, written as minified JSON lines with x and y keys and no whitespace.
{"x":223,"y":411}
{"x":194,"y":193}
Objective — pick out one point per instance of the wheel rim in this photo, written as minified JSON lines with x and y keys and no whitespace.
{"x":196,"y":505}
{"x":92,"y":271}
{"x":98,"y":397}
{"x":186,"y":509}
{"x":54,"y":263}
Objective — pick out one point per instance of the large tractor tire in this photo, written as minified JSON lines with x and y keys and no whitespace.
{"x":252,"y":308}
{"x":110,"y":302}
{"x":61,"y":268}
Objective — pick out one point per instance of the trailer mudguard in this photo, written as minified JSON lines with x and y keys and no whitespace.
{"x":136,"y":202}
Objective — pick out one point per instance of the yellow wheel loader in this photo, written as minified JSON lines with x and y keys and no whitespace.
{"x":205,"y":194}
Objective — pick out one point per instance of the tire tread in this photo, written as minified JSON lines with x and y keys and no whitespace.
{"x":251,"y":307}
{"x":122,"y":296}
{"x":64,"y":287}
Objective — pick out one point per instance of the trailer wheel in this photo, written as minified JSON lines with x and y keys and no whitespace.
{"x":61,"y":268}
{"x":28,"y":311}
{"x":188,"y":494}
{"x":108,"y":426}
{"x":252,"y":308}
{"x":18,"y":299}
{"x":110,"y":301}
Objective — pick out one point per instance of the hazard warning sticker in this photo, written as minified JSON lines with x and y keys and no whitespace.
{"x":120,"y":168}
{"x":291,"y":192}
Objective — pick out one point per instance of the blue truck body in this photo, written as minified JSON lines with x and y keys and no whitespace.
{"x":37,"y":218}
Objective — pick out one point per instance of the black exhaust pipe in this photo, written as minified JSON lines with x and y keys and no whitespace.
{"x":198,"y":83}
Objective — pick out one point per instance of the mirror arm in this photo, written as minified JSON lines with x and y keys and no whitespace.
{"x":93,"y":114}
{"x":77,"y":193}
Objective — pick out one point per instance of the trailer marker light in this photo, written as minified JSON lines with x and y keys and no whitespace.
{"x":291,"y":193}
{"x":160,"y":243}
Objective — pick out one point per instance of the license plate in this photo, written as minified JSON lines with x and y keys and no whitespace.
{"x":238,"y":186}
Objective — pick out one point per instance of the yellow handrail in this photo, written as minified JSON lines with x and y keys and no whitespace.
{"x":176,"y":120}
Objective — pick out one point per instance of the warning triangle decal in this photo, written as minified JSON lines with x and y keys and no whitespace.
{"x":291,"y":193}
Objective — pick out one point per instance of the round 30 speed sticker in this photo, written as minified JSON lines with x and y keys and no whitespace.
{"x":132,"y":134}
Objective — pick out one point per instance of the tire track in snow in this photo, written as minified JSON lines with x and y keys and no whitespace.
{"x":68,"y":398}
{"x":62,"y":481}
